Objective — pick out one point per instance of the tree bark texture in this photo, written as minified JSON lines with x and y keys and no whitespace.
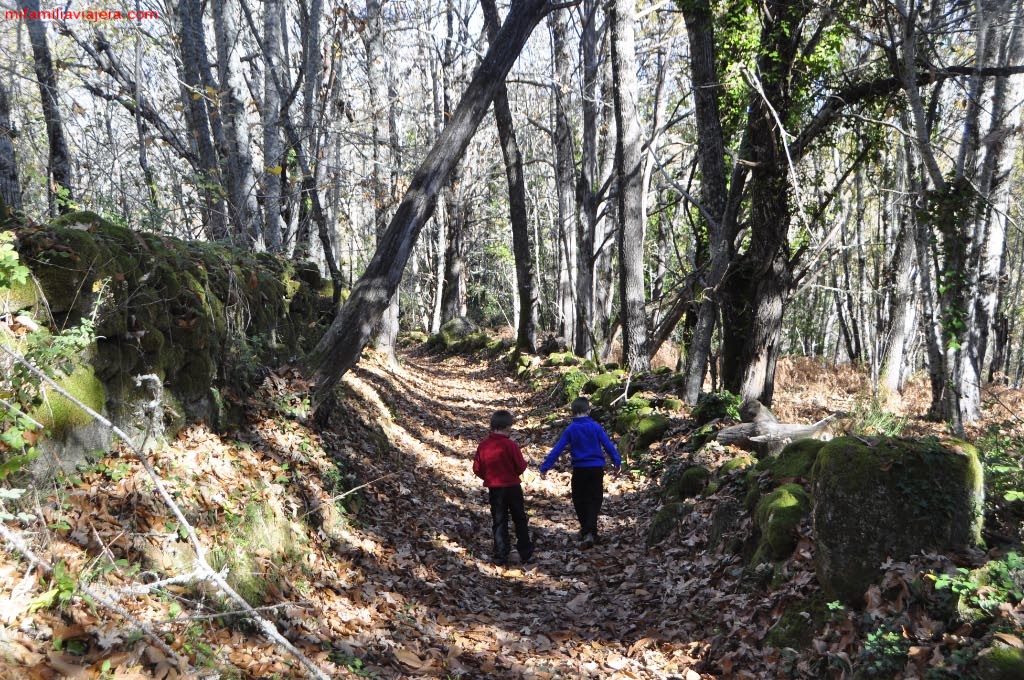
{"x":713,"y":188}
{"x":270,"y":112}
{"x":629,"y":189}
{"x":10,"y":187}
{"x":236,"y":154}
{"x":759,"y":282}
{"x":59,"y":160}
{"x":344,"y":341}
{"x":519,"y":218}
{"x":197,"y":114}
{"x":590,"y":189}
{"x":386,"y":335}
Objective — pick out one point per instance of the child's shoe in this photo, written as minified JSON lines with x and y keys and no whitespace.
{"x":587,"y":542}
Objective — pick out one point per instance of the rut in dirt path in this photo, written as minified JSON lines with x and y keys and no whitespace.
{"x":612,"y":611}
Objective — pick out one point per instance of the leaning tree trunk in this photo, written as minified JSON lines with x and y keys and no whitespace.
{"x":526,"y":333}
{"x":10,"y":187}
{"x":341,"y":345}
{"x":630,"y":189}
{"x":59,"y":160}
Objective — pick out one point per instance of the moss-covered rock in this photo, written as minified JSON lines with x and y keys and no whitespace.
{"x":58,"y":414}
{"x":671,"y":404}
{"x":561,"y":359}
{"x":685,"y":483}
{"x":890,"y":498}
{"x":796,"y":626}
{"x":601,"y":381}
{"x":665,"y":522}
{"x":999,"y":662}
{"x":458,"y":335}
{"x":794,"y":462}
{"x":649,"y":430}
{"x":569,"y":385}
{"x":741,"y":462}
{"x":776,"y":519}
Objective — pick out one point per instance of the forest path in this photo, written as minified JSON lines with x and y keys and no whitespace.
{"x":615,"y":611}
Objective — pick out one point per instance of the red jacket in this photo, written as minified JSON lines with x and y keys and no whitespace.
{"x":498,"y":461}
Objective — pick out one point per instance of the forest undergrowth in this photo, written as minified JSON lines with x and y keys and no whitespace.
{"x":367,"y":546}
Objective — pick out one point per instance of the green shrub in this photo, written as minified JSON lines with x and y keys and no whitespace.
{"x":714,"y":405}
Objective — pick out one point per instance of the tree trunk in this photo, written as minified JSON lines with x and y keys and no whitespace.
{"x":59,"y":187}
{"x":758,"y":284}
{"x":236,"y":156}
{"x":711,"y":158}
{"x":453,"y":298}
{"x":590,"y":189}
{"x":386,"y":335}
{"x":526,"y":332}
{"x":197,"y":114}
{"x":10,"y":187}
{"x":270,"y":113}
{"x":629,"y":189}
{"x":341,"y":345}
{"x":901,"y":311}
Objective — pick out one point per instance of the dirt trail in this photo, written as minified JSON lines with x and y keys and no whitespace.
{"x":615,"y":611}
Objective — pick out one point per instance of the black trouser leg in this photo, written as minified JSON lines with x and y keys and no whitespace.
{"x":499,"y":521}
{"x":587,"y":496}
{"x":517,"y":509}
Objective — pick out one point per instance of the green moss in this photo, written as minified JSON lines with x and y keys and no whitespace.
{"x":716,"y":405}
{"x":672,"y":404}
{"x":600,"y":382}
{"x":561,"y":359}
{"x":795,"y":461}
{"x":649,"y":430}
{"x":797,"y":625}
{"x":628,"y":418}
{"x":890,"y":498}
{"x":1000,"y":662}
{"x":687,"y":483}
{"x":59,"y":415}
{"x":741,"y":462}
{"x":777,"y":516}
{"x":665,"y":521}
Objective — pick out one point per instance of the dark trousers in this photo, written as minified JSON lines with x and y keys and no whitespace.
{"x":587,"y":496}
{"x":507,"y":501}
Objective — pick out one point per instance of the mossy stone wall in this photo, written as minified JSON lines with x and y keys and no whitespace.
{"x":883,"y":498}
{"x":203,"y":321}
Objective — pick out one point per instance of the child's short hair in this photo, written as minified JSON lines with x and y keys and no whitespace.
{"x":580,"y":406}
{"x":502,"y":420}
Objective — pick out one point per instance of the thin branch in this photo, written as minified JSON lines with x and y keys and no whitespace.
{"x":204,"y":569}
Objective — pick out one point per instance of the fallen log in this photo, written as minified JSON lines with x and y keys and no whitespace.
{"x":762,"y":433}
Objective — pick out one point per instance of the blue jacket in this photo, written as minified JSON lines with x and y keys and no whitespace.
{"x":587,"y":442}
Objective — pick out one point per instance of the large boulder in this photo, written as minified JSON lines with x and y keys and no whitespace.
{"x":881,"y":498}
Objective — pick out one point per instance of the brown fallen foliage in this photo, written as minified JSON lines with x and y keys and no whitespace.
{"x":367,"y":547}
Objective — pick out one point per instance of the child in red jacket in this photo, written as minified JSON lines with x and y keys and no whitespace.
{"x":499,"y":462}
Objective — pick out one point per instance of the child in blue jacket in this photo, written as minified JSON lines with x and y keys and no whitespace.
{"x":588,"y":443}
